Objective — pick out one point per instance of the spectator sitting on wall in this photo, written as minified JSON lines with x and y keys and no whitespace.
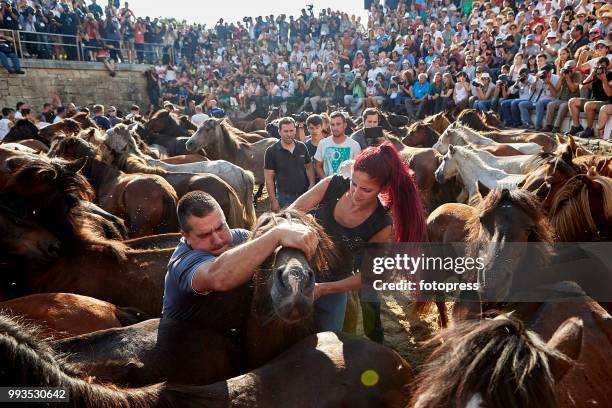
{"x":101,"y":120}
{"x":18,"y":107}
{"x":7,"y":51}
{"x":6,"y":123}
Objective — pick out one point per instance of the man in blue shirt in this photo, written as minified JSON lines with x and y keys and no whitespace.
{"x":419,"y":91}
{"x":212,"y":258}
{"x":102,"y":121}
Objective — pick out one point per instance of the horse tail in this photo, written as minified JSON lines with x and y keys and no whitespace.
{"x":169,"y":217}
{"x":236,"y":216}
{"x":130,"y":315}
{"x":248,"y":180}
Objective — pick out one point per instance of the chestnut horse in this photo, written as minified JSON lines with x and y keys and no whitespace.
{"x":68,"y":127}
{"x":147,"y":203}
{"x":420,"y":134}
{"x":24,"y":130}
{"x":63,"y":315}
{"x":322,"y":370}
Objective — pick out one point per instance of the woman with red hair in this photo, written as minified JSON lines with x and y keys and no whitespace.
{"x":379,"y":203}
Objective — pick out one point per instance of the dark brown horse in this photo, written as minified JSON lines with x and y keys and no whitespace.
{"x":497,"y":363}
{"x":69,"y":127}
{"x":163,"y":122}
{"x":63,"y":315}
{"x":84,"y":121}
{"x":322,"y":370}
{"x":23,"y":130}
{"x":439,"y":121}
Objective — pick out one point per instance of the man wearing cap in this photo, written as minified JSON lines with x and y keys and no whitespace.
{"x":602,"y":49}
{"x":557,"y":109}
{"x":509,"y":108}
{"x":484,"y":93}
{"x":531,"y":47}
{"x":551,"y":47}
{"x":604,"y":23}
{"x":546,"y":89}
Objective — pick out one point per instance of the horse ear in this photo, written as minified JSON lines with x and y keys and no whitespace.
{"x":482,"y":189}
{"x":592,"y":172}
{"x":572,"y":143}
{"x":567,"y":340}
{"x":77,"y":165}
{"x":567,"y":155}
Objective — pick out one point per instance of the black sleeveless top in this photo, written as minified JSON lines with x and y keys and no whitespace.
{"x":349,"y":242}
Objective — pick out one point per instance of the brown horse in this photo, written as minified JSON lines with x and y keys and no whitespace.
{"x":474,"y":119}
{"x":602,"y":164}
{"x":36,"y":145}
{"x":68,"y":127}
{"x":322,"y":370}
{"x":160,"y":241}
{"x":438,"y":122}
{"x":24,"y":130}
{"x":84,"y":121}
{"x":581,"y":210}
{"x":497,"y":363}
{"x":183,"y":183}
{"x":563,"y":142}
{"x":222,"y":142}
{"x":163,"y":122}
{"x":420,"y":134}
{"x":147,"y":203}
{"x":248,"y":126}
{"x":63,"y":315}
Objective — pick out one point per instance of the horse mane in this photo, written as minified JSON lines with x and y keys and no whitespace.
{"x":544,"y":158}
{"x":570,"y":211}
{"x":325,"y":258}
{"x":83,"y":119}
{"x":23,"y":122}
{"x":525,"y":200}
{"x":71,"y":124}
{"x":73,"y":147}
{"x":92,"y":135}
{"x":232,"y":137}
{"x":30,"y":361}
{"x":471,"y":119}
{"x":500,"y":359}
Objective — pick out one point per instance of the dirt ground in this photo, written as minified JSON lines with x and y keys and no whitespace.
{"x":403,"y":332}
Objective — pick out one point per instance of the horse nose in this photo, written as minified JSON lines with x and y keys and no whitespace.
{"x":190,"y":145}
{"x":53,"y":249}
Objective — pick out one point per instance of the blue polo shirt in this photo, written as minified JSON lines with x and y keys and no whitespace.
{"x":419,"y":90}
{"x":182,"y":302}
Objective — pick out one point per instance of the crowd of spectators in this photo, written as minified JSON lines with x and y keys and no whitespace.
{"x":414,"y":57}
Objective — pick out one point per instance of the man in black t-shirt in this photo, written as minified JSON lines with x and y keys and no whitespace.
{"x":600,"y":81}
{"x":287,"y":167}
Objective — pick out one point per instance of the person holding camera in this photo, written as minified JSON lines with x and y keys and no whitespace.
{"x":370,"y":119}
{"x":557,"y":109}
{"x":599,"y":81}
{"x":358,"y":89}
{"x":462,"y":92}
{"x":484,"y":92}
{"x":546,"y":89}
{"x":509,"y":108}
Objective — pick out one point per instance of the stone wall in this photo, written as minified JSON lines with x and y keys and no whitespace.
{"x":82,"y":83}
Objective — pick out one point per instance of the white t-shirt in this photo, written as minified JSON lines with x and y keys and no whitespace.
{"x":332,"y":155}
{"x":199,"y":118}
{"x":57,"y":119}
{"x":18,"y":115}
{"x":4,"y":127}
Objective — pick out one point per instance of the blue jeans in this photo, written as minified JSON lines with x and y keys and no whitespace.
{"x":4,"y":58}
{"x":330,"y":311}
{"x":541,"y":110}
{"x":524,"y":108}
{"x":285,"y":200}
{"x":510,"y":111}
{"x":483,"y":105}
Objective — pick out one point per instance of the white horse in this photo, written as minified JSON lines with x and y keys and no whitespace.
{"x":456,"y":131}
{"x":463,"y":162}
{"x":120,"y":140}
{"x":510,"y":164}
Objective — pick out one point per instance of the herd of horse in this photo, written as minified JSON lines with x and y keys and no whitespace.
{"x":88,"y":223}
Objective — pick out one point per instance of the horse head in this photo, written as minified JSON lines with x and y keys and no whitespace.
{"x":460,"y":372}
{"x":119,"y":140}
{"x":285,"y":283}
{"x":448,"y":167}
{"x":207,"y":133}
{"x":499,"y":231}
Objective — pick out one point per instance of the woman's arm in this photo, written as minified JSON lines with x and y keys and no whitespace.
{"x":312,"y":197}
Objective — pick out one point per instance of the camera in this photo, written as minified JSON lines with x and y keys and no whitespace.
{"x":245,"y":19}
{"x":565,"y":71}
{"x":599,"y":70}
{"x":475,"y":83}
{"x":300,"y":117}
{"x":310,"y":7}
{"x":523,"y":79}
{"x":543,"y":74}
{"x":503,"y":78}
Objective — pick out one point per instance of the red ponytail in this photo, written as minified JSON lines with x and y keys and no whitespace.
{"x":400,"y":193}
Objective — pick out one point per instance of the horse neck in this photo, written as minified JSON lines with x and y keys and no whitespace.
{"x":471,"y":169}
{"x":228,"y":143}
{"x":268,"y":337}
{"x":99,"y":173}
{"x":475,"y":136}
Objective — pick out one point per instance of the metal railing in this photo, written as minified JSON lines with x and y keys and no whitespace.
{"x":52,"y":46}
